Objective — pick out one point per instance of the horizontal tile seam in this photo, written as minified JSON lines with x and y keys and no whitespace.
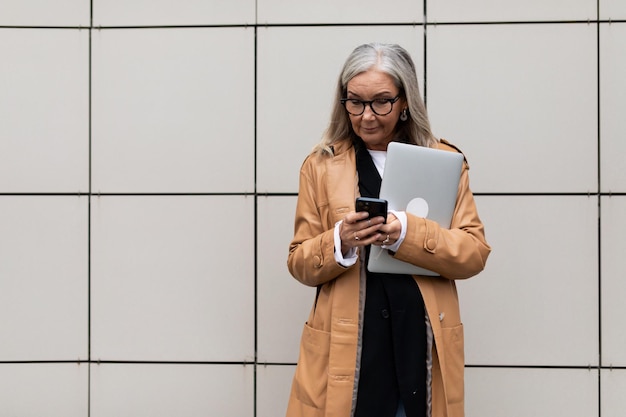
{"x":335,"y":24}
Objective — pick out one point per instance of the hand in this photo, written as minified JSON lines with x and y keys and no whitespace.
{"x":357,"y":230}
{"x":389,"y":232}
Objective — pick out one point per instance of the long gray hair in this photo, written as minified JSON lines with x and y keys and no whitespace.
{"x":393,"y":60}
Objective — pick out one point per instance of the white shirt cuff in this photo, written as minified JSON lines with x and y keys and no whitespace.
{"x":350,"y":258}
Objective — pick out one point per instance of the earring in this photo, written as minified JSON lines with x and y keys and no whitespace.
{"x":404,"y":115}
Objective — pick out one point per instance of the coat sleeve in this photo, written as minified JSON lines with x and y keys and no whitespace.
{"x":456,"y":253}
{"x":311,"y":257}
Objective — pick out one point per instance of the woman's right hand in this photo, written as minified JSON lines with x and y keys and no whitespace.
{"x":357,"y":230}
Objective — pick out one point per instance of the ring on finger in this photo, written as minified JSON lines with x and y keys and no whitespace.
{"x":355,"y":236}
{"x":386,"y":240}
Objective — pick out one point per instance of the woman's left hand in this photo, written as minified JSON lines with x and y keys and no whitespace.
{"x":390,"y":231}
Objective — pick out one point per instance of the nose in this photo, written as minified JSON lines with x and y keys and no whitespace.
{"x":368,"y":113}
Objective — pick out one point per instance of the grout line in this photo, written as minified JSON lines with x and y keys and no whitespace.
{"x":563,"y":367}
{"x":89,"y":94}
{"x":599,"y":168}
{"x":265,"y":364}
{"x":295,"y":194}
{"x":336,"y":24}
{"x":256,"y":233}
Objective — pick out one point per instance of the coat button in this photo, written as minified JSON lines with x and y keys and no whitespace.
{"x":384,"y":313}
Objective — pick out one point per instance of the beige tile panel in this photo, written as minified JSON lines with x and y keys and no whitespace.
{"x":346,"y":11}
{"x":298,"y":70}
{"x":521,"y":101}
{"x":43,"y":278}
{"x":510,"y":11}
{"x":164,"y":390}
{"x":172,"y":278}
{"x":173,"y":110}
{"x":613,"y":235}
{"x":44,"y":132}
{"x":44,"y":389}
{"x":612,"y":105}
{"x":518,"y":392}
{"x":536,"y":303}
{"x":283,"y":302}
{"x":172,"y":13}
{"x":44,"y":13}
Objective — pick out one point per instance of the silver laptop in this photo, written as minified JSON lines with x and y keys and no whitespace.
{"x":422,"y":181}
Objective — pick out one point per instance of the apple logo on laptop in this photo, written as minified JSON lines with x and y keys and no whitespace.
{"x":418,"y":206}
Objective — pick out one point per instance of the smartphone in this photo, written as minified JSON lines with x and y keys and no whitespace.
{"x":374,"y":206}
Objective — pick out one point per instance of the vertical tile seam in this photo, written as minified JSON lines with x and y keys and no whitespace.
{"x":599,"y":205}
{"x":89,"y":116}
{"x":256,"y":219}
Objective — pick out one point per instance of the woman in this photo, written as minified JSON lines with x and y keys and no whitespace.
{"x":378,"y":345}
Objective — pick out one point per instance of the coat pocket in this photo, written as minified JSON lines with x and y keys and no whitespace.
{"x":311,"y":377}
{"x":454,"y":363}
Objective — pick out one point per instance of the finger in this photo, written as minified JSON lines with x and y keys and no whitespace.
{"x":355,"y":217}
{"x":373,"y":222}
{"x":392,"y":229}
{"x":371,"y":230}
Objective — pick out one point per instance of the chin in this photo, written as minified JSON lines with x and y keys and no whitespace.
{"x":376,"y":146}
{"x":374,"y":143}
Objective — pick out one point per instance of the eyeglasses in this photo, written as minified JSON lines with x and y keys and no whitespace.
{"x":380,"y":106}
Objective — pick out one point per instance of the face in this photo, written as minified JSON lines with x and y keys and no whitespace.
{"x":376,"y":131}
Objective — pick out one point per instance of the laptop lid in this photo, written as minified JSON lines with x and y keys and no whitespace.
{"x":421,"y":181}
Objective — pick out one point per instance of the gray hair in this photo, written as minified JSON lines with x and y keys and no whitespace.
{"x":395,"y":61}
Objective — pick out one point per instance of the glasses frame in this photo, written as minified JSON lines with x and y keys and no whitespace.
{"x":365,"y":103}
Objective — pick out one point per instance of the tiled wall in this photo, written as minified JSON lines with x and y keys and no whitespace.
{"x":149,"y":154}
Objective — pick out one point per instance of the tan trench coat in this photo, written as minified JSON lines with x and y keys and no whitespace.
{"x":325,"y":381}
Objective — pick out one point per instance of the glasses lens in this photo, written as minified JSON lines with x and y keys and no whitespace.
{"x":382,"y":107}
{"x":355,"y":107}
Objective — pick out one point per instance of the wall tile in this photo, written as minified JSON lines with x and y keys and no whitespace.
{"x":291,"y":120}
{"x":536,"y":303}
{"x":160,"y":390}
{"x":612,"y":9}
{"x":44,"y":389}
{"x":510,"y":11}
{"x":505,"y":96}
{"x":612,"y":104}
{"x":164,"y":119}
{"x":518,"y":392}
{"x":283,"y":302}
{"x":172,"y":278}
{"x":347,"y":11}
{"x":180,"y":12}
{"x":44,"y":13}
{"x":613,"y":386}
{"x":613,"y":233}
{"x":43,"y":278}
{"x":44,"y":133}
{"x":273,"y":388}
